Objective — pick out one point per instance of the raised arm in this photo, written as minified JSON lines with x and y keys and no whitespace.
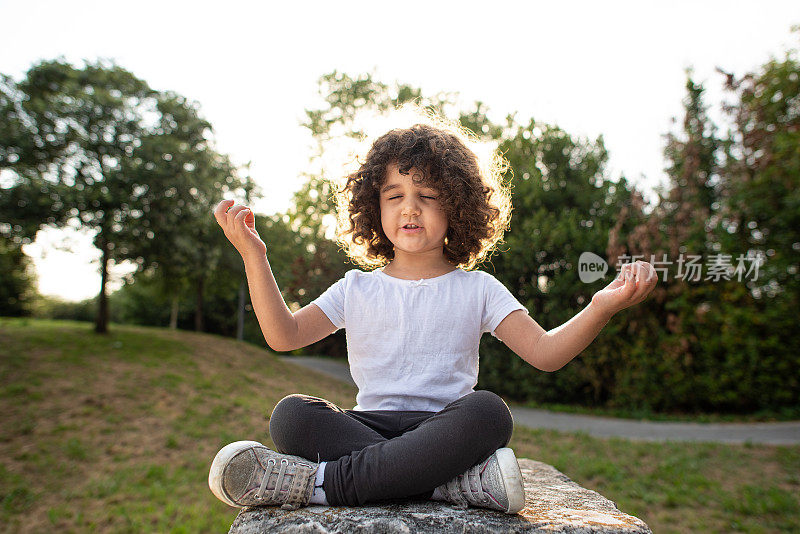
{"x":552,"y":350}
{"x":282,"y":330}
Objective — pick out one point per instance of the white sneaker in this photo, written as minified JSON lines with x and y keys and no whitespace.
{"x":495,"y":483}
{"x":246,"y":473}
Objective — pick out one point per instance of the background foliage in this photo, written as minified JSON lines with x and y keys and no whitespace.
{"x":94,"y":144}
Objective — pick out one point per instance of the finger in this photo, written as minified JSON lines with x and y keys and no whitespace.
{"x":241,"y":215}
{"x":615,"y":283}
{"x":641,"y":293}
{"x":620,"y":282}
{"x":644,"y":288}
{"x":233,"y":212}
{"x":652,"y":276}
{"x":645,"y":275}
{"x":630,"y":282}
{"x":642,"y":271}
{"x":219,"y":211}
{"x":250,"y":217}
{"x":626,"y":287}
{"x":627,"y":274}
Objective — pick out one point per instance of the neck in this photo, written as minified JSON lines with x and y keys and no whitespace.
{"x":414,"y":268}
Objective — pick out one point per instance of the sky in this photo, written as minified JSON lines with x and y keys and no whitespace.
{"x":610,"y":68}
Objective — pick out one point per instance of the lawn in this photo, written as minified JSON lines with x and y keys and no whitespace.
{"x":116,"y":433}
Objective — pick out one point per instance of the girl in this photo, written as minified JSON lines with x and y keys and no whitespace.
{"x":423,"y":208}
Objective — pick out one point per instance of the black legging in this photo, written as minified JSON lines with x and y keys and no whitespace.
{"x":383,"y":455}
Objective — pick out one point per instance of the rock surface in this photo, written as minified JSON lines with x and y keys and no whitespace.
{"x":554,"y":503}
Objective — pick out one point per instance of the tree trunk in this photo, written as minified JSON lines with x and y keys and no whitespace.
{"x":240,"y":322}
{"x":198,"y":310}
{"x":173,"y":316}
{"x":101,"y":324}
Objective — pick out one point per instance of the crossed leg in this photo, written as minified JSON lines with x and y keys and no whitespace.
{"x":390,"y":455}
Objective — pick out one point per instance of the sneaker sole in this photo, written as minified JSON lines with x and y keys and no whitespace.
{"x":512,"y":476}
{"x":218,"y":467}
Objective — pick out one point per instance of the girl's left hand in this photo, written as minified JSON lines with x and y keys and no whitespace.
{"x":634,"y":282}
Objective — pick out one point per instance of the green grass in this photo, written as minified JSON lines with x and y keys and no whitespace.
{"x":679,"y":487}
{"x":116,"y":433}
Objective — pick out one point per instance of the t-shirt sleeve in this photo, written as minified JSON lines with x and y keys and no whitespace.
{"x":498,"y":304}
{"x":331,"y":302}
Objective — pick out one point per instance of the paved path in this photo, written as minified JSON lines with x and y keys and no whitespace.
{"x":782,"y":433}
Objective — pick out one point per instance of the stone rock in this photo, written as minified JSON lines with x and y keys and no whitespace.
{"x":553,"y":503}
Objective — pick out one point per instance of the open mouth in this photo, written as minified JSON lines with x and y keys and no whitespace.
{"x":411,"y":228}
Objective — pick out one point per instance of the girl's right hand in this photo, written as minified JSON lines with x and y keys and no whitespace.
{"x":239,"y":225}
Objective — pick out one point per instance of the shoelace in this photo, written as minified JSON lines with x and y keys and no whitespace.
{"x":273,"y":498}
{"x":278,"y":483}
{"x":460,"y":490}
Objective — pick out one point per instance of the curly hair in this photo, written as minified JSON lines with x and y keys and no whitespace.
{"x":473,"y":195}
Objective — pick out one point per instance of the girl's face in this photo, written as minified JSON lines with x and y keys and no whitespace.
{"x":403,"y":202}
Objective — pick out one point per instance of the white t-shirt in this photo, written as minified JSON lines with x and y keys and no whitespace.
{"x":413,"y":344}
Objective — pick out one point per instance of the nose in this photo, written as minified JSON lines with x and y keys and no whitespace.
{"x":410,"y":206}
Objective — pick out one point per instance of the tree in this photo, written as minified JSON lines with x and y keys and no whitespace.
{"x":22,"y":209}
{"x":97,"y":145}
{"x":760,"y":187}
{"x":17,"y":281}
{"x":676,"y":231}
{"x":83,"y":123}
{"x":725,"y":342}
{"x":171,"y":229}
{"x":759,"y":218}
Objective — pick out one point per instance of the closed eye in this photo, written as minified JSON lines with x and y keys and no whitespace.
{"x":423,"y":196}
